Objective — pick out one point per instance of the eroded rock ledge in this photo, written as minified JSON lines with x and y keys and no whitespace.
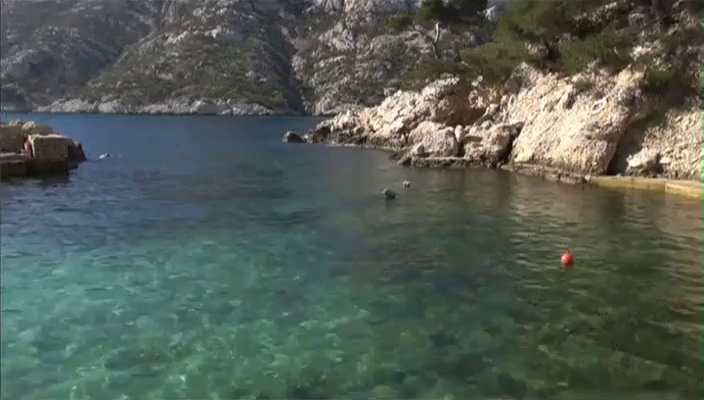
{"x":565,"y":128}
{"x":28,"y":150}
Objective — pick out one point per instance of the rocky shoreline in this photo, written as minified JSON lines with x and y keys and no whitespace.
{"x":31,"y":150}
{"x":171,"y":107}
{"x":561,"y":128}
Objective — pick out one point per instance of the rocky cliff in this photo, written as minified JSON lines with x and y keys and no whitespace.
{"x":542,"y":124}
{"x":636,"y":121}
{"x":204,"y":56}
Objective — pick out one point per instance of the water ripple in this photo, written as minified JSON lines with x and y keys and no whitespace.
{"x":236,"y":277}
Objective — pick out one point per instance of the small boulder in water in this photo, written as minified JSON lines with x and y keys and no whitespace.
{"x":406,"y":184}
{"x":389,"y":194}
{"x":76,"y":153}
{"x":292,"y":137}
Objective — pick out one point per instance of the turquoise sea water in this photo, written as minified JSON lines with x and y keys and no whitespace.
{"x":209,"y":260}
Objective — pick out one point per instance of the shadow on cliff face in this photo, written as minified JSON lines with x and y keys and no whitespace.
{"x":630,"y":143}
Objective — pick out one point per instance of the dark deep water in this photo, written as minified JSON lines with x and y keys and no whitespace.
{"x":213,"y":261}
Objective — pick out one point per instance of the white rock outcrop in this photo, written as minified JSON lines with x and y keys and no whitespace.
{"x":396,"y":122}
{"x":435,"y":138}
{"x":177,"y":106}
{"x":589,"y":124}
{"x":570,"y":132}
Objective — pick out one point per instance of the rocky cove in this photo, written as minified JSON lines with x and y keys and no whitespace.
{"x":453,"y":291}
{"x":569,"y":129}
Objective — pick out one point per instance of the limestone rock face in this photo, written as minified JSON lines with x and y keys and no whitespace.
{"x":395,"y":123}
{"x":114,"y":107}
{"x":570,"y":132}
{"x":445,"y":120}
{"x":160,"y":56}
{"x":537,"y":122}
{"x":490,"y":147}
{"x":70,"y":106}
{"x":50,"y":147}
{"x":11,"y":138}
{"x":644,"y":163}
{"x":676,"y":139}
{"x":435,"y":139}
{"x":31,"y":128}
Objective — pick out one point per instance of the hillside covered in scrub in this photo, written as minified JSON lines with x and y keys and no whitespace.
{"x":568,"y":37}
{"x":210,"y":56}
{"x":318,"y":57}
{"x":566,"y":89}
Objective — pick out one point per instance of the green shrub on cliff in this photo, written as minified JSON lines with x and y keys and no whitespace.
{"x":658,"y":80}
{"x":450,"y":12}
{"x":609,"y":50}
{"x":398,"y":22}
{"x":495,"y":61}
{"x":552,"y":35}
{"x":430,"y":68}
{"x":567,"y":36}
{"x":672,"y":86}
{"x":435,"y":18}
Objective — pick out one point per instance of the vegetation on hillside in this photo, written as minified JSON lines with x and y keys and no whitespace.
{"x":435,"y":16}
{"x":567,"y":36}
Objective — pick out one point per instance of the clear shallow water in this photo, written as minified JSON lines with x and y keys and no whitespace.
{"x":213,"y":261}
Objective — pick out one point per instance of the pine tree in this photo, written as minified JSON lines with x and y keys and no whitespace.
{"x":435,"y":16}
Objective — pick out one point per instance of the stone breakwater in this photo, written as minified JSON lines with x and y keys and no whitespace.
{"x":29,"y":150}
{"x":564,"y":128}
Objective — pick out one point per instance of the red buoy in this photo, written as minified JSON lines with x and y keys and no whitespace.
{"x":567,"y":259}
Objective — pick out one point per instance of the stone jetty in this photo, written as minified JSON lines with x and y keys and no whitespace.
{"x":28,"y":149}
